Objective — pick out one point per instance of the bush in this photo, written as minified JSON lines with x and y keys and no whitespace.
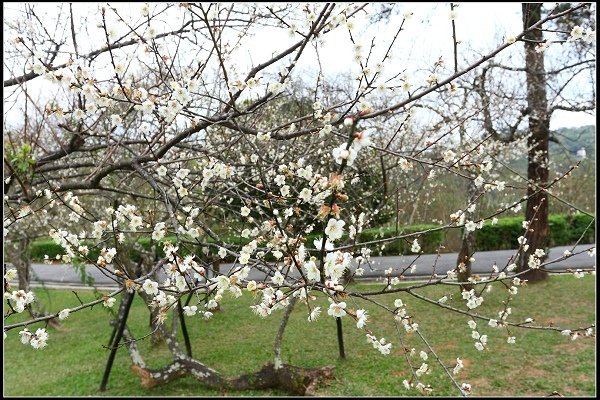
{"x":502,"y":236}
{"x":578,"y":224}
{"x":429,"y":241}
{"x":39,"y":248}
{"x":564,"y":230}
{"x":558,"y":230}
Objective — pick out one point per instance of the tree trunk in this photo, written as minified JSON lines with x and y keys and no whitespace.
{"x":23,"y":263}
{"x":467,"y":249}
{"x":294,"y":380}
{"x":536,"y":211}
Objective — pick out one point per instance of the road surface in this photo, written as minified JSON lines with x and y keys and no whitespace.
{"x":57,"y":275}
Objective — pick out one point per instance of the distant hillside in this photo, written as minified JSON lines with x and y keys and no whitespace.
{"x":573,"y":139}
{"x":570,"y":140}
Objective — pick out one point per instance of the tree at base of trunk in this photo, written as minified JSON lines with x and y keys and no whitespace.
{"x":291,"y":379}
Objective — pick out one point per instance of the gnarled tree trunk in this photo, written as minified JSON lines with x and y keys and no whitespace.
{"x":294,"y":380}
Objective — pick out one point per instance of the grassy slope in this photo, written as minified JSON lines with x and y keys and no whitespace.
{"x":235,"y":341}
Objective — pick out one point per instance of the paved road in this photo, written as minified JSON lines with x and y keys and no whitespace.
{"x":60,"y":274}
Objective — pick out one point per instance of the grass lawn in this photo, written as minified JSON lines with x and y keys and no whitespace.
{"x":236,"y":341}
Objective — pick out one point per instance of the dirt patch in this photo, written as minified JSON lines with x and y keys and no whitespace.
{"x":535,"y":373}
{"x":555,"y":321}
{"x":480,"y":386}
{"x":575,"y":346}
{"x":451,"y":344}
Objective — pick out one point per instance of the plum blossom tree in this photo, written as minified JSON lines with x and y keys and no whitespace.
{"x":154,"y":126}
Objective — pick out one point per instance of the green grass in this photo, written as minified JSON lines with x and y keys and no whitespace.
{"x":235,"y":341}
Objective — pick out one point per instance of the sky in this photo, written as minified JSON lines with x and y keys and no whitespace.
{"x":480,"y":27}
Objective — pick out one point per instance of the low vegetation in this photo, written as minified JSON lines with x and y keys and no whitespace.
{"x":235,"y":341}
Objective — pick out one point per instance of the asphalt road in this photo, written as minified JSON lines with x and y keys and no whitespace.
{"x":57,"y":275}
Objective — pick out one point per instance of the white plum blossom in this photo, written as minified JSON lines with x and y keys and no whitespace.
{"x":190,"y":310}
{"x":39,"y":339}
{"x":312,"y":272}
{"x":459,"y":365}
{"x":21,"y":299}
{"x":318,"y":243}
{"x":337,"y":309}
{"x":116,"y":120}
{"x":64,"y":314}
{"x":361,"y":318}
{"x":10,"y":274}
{"x":415,"y":248}
{"x":341,"y":153}
{"x":251,"y":286}
{"x":478,"y":181}
{"x":449,"y":156}
{"x":577,"y":32}
{"x":578,"y":274}
{"x":334,"y":229}
{"x":361,"y":139}
{"x":25,"y":336}
{"x":150,"y":287}
{"x":470,"y":226}
{"x":135,"y":222}
{"x":314,"y":314}
{"x":305,"y":195}
{"x":244,"y":258}
{"x":161,"y":171}
{"x":278,"y":278}
{"x":108,"y":302}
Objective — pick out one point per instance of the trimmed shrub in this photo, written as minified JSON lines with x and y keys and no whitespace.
{"x":429,"y":241}
{"x":502,"y":236}
{"x":578,"y":224}
{"x":558,"y":230}
{"x":39,"y":248}
{"x":565,"y":229}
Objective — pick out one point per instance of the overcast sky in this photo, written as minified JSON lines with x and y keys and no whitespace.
{"x":427,"y":36}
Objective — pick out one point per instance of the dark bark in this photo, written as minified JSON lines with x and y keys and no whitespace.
{"x":117,"y":334}
{"x":291,"y":379}
{"x":463,"y":262}
{"x":23,"y":263}
{"x":539,"y":127}
{"x":279,"y":337}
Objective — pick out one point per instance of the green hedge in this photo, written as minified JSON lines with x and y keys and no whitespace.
{"x":564,"y":230}
{"x":502,"y":236}
{"x":429,"y":242}
{"x":39,"y":248}
{"x":578,"y":224}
